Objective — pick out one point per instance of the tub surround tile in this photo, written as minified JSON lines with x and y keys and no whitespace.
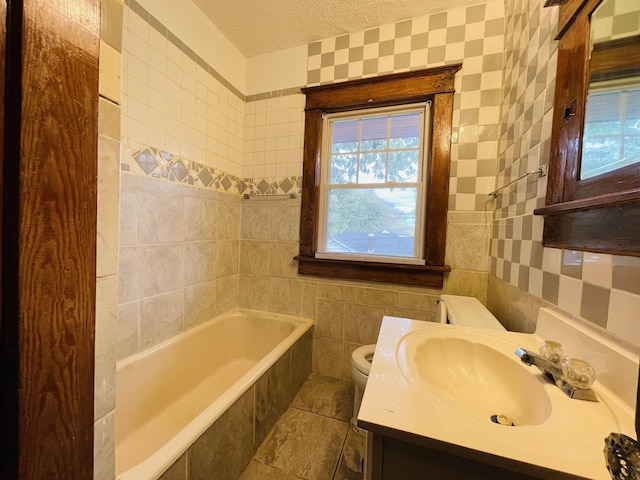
{"x":326,"y":396}
{"x":272,"y":397}
{"x":301,"y":354}
{"x":254,"y":292}
{"x":226,"y":448}
{"x":177,"y":471}
{"x":199,"y":262}
{"x":160,"y":269}
{"x":281,"y":262}
{"x":199,"y":304}
{"x":199,"y":219}
{"x":304,"y":444}
{"x":254,"y":258}
{"x":107,"y":221}
{"x":105,"y":345}
{"x":351,"y":458}
{"x":127,"y":331}
{"x":227,"y":294}
{"x":285,"y":296}
{"x":104,"y":448}
{"x":161,"y":317}
{"x":260,"y":471}
{"x":227,"y":258}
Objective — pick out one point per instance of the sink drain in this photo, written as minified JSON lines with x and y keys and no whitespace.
{"x":502,"y":420}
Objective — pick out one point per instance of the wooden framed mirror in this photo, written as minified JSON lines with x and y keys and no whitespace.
{"x":593,"y":191}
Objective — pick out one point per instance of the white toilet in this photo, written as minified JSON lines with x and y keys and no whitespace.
{"x":361,"y":359}
{"x":453,"y":309}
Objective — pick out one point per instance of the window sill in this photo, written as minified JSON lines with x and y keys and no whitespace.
{"x":417,"y":275}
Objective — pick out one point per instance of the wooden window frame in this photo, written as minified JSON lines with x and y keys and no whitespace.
{"x":435,"y":84}
{"x":597,"y":214}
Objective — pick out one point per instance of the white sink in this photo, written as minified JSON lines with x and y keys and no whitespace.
{"x":476,"y":373}
{"x":443,"y":383}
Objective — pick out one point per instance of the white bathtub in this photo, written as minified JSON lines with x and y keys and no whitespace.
{"x":169,"y":395}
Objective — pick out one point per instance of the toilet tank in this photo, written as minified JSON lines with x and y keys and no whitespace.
{"x":465,"y":311}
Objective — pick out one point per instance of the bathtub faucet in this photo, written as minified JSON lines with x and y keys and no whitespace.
{"x":554,"y":373}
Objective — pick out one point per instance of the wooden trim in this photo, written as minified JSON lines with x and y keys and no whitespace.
{"x":48,"y":308}
{"x":310,"y":182}
{"x":612,"y":199}
{"x":435,"y":84}
{"x":596,"y":214}
{"x":425,"y":276}
{"x":438,"y":191}
{"x":612,"y":229}
{"x":393,"y":89}
{"x":567,"y":14}
{"x":615,"y":59}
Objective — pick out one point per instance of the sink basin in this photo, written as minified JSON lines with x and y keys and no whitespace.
{"x":474,"y":373}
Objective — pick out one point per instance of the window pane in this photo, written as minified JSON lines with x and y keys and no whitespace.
{"x":632,"y":148}
{"x":405,"y":131}
{"x":632,"y":120}
{"x":343,"y":169}
{"x":373,"y":167}
{"x":612,"y":132}
{"x":598,"y":155}
{"x":345,"y":136}
{"x":378,"y":221}
{"x":403,"y":166}
{"x":374,"y":133}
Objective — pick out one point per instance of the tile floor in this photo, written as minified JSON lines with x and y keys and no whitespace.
{"x":313,"y":439}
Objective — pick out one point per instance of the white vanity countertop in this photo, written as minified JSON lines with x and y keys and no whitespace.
{"x":571,"y":440}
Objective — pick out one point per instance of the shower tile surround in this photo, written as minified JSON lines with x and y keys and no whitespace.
{"x":272,"y":132}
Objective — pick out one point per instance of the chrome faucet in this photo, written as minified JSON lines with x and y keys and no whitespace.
{"x":554,"y":373}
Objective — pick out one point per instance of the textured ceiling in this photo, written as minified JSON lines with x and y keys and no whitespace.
{"x":261,"y":26}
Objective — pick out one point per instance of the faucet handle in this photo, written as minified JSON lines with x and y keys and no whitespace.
{"x":553,"y":351}
{"x":578,"y":373}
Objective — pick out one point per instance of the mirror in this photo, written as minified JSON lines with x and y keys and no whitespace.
{"x":593,"y":186}
{"x":611,"y":136}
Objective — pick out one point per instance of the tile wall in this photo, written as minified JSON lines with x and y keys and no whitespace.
{"x":173,"y":100}
{"x":107,"y":241}
{"x":601,"y":289}
{"x":349,"y":314}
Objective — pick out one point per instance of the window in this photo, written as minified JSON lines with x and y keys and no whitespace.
{"x":376,"y":178}
{"x":373,"y":180}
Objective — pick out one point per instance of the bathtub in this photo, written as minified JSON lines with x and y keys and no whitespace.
{"x":169,"y":395}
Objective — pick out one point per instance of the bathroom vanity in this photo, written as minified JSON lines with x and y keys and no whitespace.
{"x":433,"y":390}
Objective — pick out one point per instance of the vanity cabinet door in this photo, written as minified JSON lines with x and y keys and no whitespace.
{"x":395,"y":459}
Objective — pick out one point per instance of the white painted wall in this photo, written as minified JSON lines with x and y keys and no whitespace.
{"x":188,"y":22}
{"x":277,"y":71}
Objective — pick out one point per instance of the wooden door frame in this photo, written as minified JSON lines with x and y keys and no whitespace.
{"x":48,"y":237}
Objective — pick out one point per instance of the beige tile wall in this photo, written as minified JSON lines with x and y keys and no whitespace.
{"x":107,"y":241}
{"x":347,"y":313}
{"x":177,"y":268}
{"x":601,"y":289}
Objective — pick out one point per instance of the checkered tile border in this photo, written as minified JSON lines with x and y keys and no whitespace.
{"x":147,"y":161}
{"x":471,"y":35}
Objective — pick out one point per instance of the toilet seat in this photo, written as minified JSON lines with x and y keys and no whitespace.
{"x":361,"y":358}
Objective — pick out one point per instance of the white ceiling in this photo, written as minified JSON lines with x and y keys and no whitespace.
{"x":262,"y":26}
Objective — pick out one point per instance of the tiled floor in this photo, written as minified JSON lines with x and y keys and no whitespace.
{"x":313,"y":439}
